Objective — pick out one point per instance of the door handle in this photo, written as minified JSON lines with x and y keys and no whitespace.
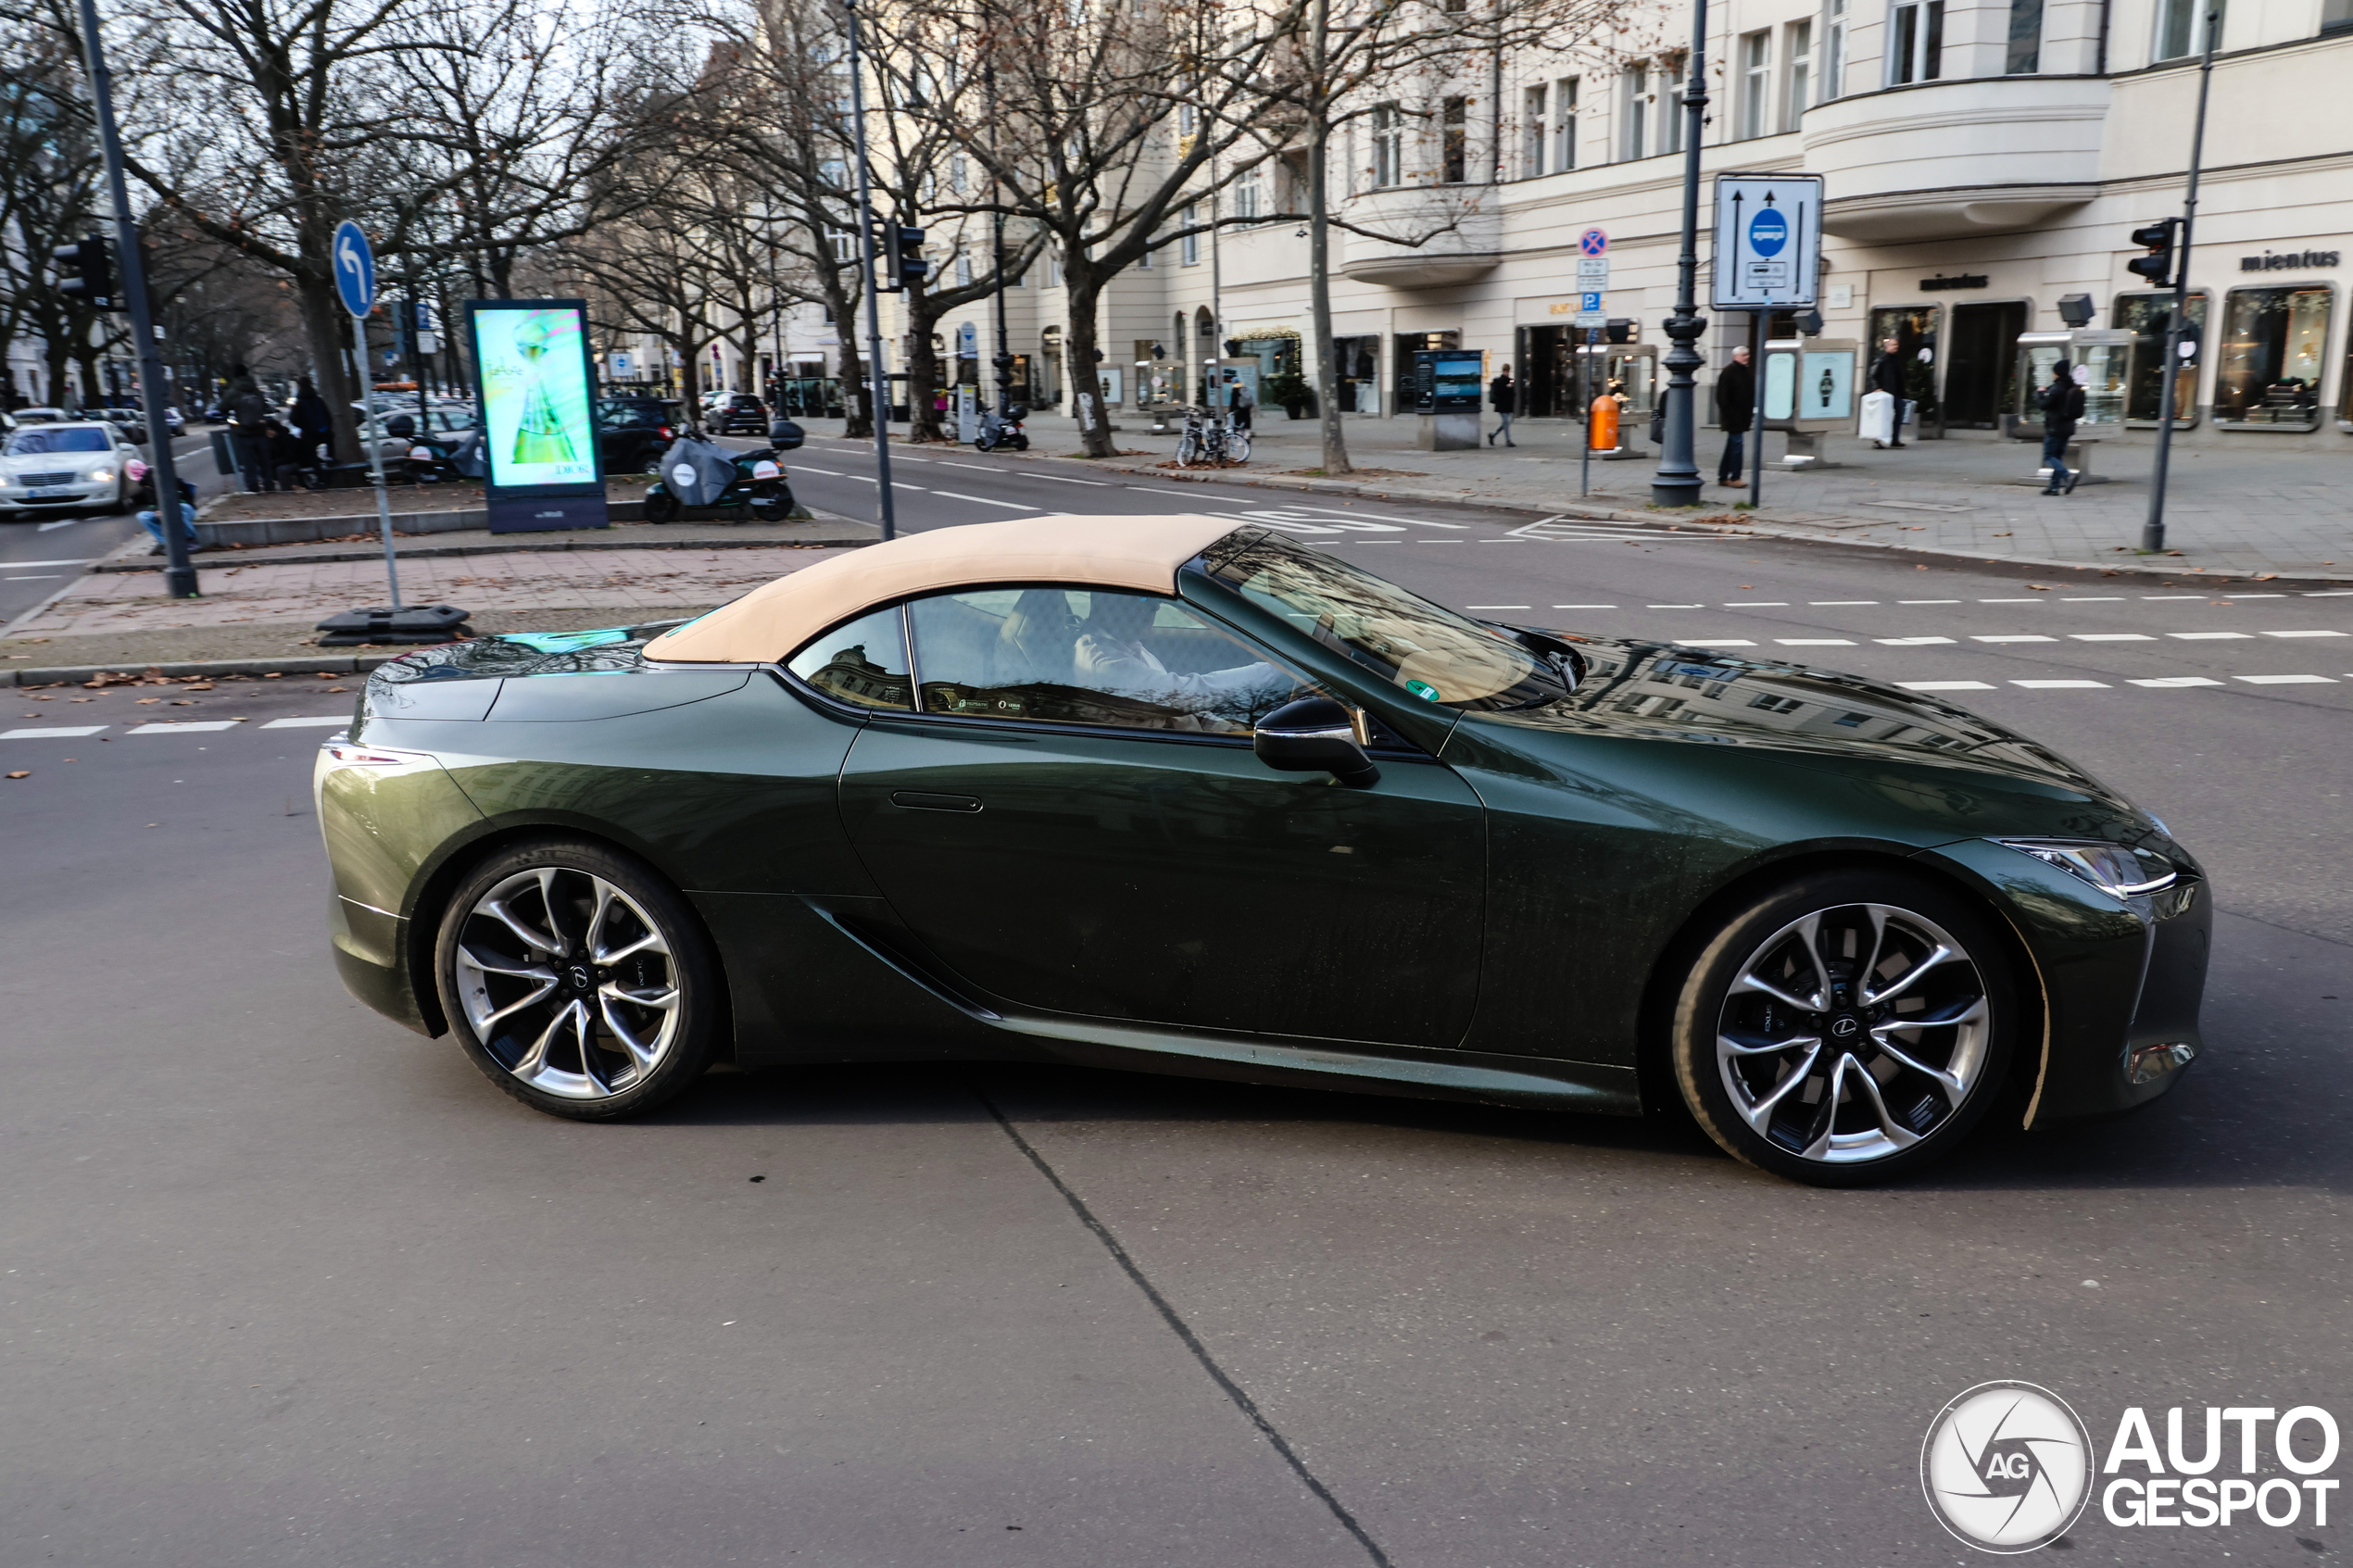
{"x":920,"y":800}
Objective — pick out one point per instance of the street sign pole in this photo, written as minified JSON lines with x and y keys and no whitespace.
{"x":179,"y":577}
{"x":1585,"y":399}
{"x":2176,"y":320}
{"x":1758,"y":322}
{"x":879,"y":387}
{"x":355,"y":282}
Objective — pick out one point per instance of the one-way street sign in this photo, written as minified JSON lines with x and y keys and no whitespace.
{"x":1769,"y":240}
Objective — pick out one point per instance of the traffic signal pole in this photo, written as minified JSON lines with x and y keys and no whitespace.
{"x":2153,"y":530}
{"x":878,"y":389}
{"x":179,"y":576}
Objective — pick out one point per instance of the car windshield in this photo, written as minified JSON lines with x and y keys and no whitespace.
{"x":1432,"y":652}
{"x":75,"y":438}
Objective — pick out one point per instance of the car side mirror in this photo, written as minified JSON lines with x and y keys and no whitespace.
{"x":1313,"y":735}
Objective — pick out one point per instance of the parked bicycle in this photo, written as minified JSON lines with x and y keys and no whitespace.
{"x":1212,"y":443}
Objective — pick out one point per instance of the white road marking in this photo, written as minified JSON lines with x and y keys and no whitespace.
{"x":2110,"y":638}
{"x":1816,"y":642}
{"x":61,"y":729}
{"x":976,"y":468}
{"x":1928,"y":601}
{"x":1674,"y":607}
{"x":38,"y":577}
{"x":2094,"y":599}
{"x":1819,"y":602}
{"x":2304,"y":634}
{"x":2023,"y":638}
{"x":21,"y":565}
{"x":2170,"y":598}
{"x":2210,"y":636}
{"x":307,"y":724}
{"x":170,"y":727}
{"x":61,"y":522}
{"x":2169,"y":681}
{"x":1499,"y":606}
{"x":1585,"y":606}
{"x":1910,"y":642}
{"x":1009,"y":506}
{"x":1719,"y":642}
{"x":2062,"y":685}
{"x":2009,"y":601}
{"x":2286,"y":680}
{"x":830,"y":473}
{"x":1065,"y":478}
{"x":1947,"y":685}
{"x":1756,"y":604}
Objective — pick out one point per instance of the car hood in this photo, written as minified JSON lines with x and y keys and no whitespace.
{"x":47,"y":462}
{"x":1807,"y":715}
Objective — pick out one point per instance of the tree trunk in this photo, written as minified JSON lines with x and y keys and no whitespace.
{"x":922,"y":368}
{"x":327,"y":331}
{"x":1319,"y":258}
{"x":1079,"y":361}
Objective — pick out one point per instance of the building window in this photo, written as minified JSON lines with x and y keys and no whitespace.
{"x":2268,"y":367}
{"x":1565,"y":127}
{"x":1531,"y":131}
{"x":1388,"y":148}
{"x":2178,"y":33}
{"x":1188,"y":248}
{"x":2336,"y":16}
{"x":1669,"y":134}
{"x":1454,"y":141}
{"x":1250,"y":196}
{"x":1834,"y":52}
{"x":2024,"y":56}
{"x":845,"y":244}
{"x":1916,"y":48}
{"x":1756,"y":84}
{"x":963,"y":270}
{"x":1638,"y":110}
{"x":1797,"y":49}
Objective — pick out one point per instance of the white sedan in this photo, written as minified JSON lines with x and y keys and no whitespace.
{"x":57,"y":468}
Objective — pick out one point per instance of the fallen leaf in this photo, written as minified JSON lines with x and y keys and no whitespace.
{"x":143,"y":701}
{"x":22,"y":774}
{"x":274,"y":675}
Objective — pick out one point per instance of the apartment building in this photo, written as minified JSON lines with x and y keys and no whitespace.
{"x":1984,"y":160}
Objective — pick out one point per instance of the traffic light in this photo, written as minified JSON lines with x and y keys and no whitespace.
{"x":85,"y":272}
{"x":903,"y":260}
{"x":2157,"y":239}
{"x":1620,"y":328}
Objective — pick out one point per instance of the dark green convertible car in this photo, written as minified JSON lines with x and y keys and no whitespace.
{"x":1179,"y":796}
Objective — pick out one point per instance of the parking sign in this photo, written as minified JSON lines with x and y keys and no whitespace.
{"x":1769,"y":240}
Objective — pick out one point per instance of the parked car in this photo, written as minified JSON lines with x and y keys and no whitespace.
{"x":49,"y":469}
{"x":1177,"y":795}
{"x":737,"y":413}
{"x":41,"y":415}
{"x":633,"y":432}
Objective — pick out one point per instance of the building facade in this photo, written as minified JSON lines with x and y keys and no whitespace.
{"x":1984,"y":160}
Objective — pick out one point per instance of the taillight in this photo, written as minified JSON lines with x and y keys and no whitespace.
{"x":665,"y":433}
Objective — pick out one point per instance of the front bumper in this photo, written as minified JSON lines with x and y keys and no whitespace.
{"x":2121,"y":979}
{"x":15,"y":498}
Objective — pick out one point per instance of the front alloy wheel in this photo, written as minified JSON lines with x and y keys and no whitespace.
{"x":576,"y":981}
{"x":1846,"y":1029}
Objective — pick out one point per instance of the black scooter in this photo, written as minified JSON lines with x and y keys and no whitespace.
{"x":1002,"y":435}
{"x":760,"y":482}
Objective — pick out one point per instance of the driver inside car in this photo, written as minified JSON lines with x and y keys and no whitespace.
{"x":1113,"y":655}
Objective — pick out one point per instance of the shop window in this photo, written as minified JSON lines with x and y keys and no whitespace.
{"x":1797,"y":50}
{"x":2144,"y":314}
{"x":2268,"y":364}
{"x":2024,"y":55}
{"x":1915,"y":47}
{"x":2178,"y":28}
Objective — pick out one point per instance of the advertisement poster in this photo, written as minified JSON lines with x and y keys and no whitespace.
{"x":538,"y":414}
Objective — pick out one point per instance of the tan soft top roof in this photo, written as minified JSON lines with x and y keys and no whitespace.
{"x":1136,"y":553}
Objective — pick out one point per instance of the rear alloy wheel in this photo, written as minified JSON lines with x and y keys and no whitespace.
{"x":1846,"y":1028}
{"x":578,"y":981}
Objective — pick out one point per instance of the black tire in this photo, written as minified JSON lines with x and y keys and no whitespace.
{"x":1021,"y":443}
{"x":661,"y":507}
{"x":771,"y":503}
{"x":544,"y":1021}
{"x":1924,"y":1085}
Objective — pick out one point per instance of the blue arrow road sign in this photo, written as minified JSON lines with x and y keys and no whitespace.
{"x":355,"y":269}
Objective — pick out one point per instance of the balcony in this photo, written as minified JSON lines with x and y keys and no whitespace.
{"x":1947,"y":160}
{"x":1459,"y":227}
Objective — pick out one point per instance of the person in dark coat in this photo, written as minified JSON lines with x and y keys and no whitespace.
{"x":1735,"y":406}
{"x":2062,"y":405}
{"x":247,"y":409}
{"x":313,"y":425}
{"x":1887,"y":375}
{"x":1502,"y":395}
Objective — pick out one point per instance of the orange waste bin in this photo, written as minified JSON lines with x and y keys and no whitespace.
{"x":1601,"y":424}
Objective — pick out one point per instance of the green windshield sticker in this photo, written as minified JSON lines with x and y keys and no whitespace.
{"x":1423,"y":689}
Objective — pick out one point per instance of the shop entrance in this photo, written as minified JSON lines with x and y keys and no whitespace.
{"x":1407,"y":345}
{"x":1548,"y":373}
{"x":1982,"y":362}
{"x":1914,"y":330}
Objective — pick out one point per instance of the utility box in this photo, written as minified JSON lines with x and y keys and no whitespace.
{"x":2100,"y":360}
{"x":1449,"y":385}
{"x":1631,"y":370}
{"x":1808,"y":389}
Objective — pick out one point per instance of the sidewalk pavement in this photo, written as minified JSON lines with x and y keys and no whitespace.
{"x":2256,"y":504}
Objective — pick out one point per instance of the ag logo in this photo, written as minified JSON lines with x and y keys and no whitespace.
{"x":2007,"y":1467}
{"x":683,"y":476}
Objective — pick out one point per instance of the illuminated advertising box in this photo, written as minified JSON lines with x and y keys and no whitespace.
{"x":537,"y":409}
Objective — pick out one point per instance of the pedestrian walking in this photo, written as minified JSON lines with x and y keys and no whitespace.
{"x":2062,"y":405}
{"x":1502,"y":395}
{"x":150,"y":518}
{"x":313,"y":426}
{"x":1735,"y":406}
{"x":1887,"y":375}
{"x":1237,"y":402}
{"x":247,"y":409}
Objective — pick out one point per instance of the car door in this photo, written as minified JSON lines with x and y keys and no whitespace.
{"x":1073,"y":821}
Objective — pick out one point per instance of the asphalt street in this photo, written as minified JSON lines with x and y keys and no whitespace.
{"x":288,"y":1284}
{"x":40,"y":554}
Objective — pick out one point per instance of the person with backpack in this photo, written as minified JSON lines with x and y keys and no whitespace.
{"x":247,"y":409}
{"x":1502,"y":395}
{"x":2062,"y":405}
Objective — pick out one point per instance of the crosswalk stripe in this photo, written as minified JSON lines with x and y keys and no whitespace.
{"x":170,"y":727}
{"x":318,"y":721}
{"x":2169,"y":681}
{"x":1947,"y":685}
{"x":61,"y":729}
{"x":2061,"y":685}
{"x":2286,"y":680}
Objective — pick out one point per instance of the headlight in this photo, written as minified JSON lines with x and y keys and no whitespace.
{"x":2111,"y":868}
{"x":99,"y":476}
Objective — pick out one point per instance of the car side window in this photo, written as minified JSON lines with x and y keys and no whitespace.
{"x":861,"y":662}
{"x":1077,"y":656}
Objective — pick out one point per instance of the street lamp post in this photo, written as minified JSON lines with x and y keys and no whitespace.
{"x":179,"y":577}
{"x":2153,"y":529}
{"x":877,"y":388}
{"x":1004,"y":361}
{"x":1676,"y":483}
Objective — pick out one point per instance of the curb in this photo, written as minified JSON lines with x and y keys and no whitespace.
{"x":320,"y":558}
{"x":77,"y":674}
{"x":1764,"y":530}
